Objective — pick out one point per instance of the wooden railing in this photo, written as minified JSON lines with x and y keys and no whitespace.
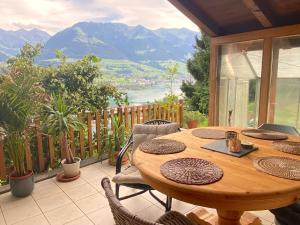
{"x":43,"y":151}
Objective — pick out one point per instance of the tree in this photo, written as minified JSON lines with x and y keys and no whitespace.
{"x":171,"y":74}
{"x":196,"y":93}
{"x":75,"y":81}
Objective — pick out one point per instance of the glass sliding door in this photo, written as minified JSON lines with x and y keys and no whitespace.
{"x":284,"y":103}
{"x":239,"y":73}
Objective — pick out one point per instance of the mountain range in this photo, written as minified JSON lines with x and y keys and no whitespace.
{"x":106,"y":40}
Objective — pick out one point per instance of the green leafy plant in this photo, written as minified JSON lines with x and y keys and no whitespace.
{"x":60,"y":118}
{"x":193,"y":116}
{"x":20,"y":98}
{"x":116,"y":137}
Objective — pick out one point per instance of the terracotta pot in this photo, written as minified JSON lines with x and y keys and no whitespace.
{"x":113,"y":160}
{"x":21,"y":186}
{"x":192,"y":124}
{"x":71,"y":170}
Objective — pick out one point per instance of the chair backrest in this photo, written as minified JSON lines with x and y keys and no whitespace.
{"x":280,"y":128}
{"x":121,"y":215}
{"x":152,"y":129}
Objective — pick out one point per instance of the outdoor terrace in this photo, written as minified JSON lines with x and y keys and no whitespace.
{"x":82,"y":202}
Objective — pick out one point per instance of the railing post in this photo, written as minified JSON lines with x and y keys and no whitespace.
{"x":51,"y":150}
{"x":181,"y":109}
{"x":39,"y":142}
{"x":81,"y":137}
{"x":126,"y":117}
{"x":132,"y":112}
{"x":28,"y":153}
{"x":90,"y":133}
{"x":98,"y":131}
{"x":2,"y":161}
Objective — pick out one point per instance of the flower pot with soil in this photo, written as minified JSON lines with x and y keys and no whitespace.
{"x":192,"y":118}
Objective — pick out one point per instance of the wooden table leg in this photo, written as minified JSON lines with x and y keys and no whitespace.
{"x":229,"y":217}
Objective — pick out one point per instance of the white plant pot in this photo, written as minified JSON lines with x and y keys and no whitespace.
{"x":71,"y":170}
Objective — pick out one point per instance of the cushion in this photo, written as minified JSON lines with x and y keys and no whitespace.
{"x":130,"y":175}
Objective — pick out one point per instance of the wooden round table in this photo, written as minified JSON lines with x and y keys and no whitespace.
{"x":242,"y":187}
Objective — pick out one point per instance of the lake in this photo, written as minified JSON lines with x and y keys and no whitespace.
{"x":151,"y":93}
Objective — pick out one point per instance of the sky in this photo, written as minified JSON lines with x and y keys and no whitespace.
{"x":55,"y":15}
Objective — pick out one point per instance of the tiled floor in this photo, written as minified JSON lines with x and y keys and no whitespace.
{"x":82,"y":202}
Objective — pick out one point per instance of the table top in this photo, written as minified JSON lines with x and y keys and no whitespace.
{"x":241,"y":188}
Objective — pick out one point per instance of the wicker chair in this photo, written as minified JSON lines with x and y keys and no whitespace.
{"x":288,"y":215}
{"x":123,"y":217}
{"x":139,"y":185}
{"x":280,"y":128}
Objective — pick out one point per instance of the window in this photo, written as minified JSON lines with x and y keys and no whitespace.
{"x":239,"y":73}
{"x":284,"y":103}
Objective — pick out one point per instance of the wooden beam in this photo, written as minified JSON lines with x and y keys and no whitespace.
{"x":198,"y":16}
{"x":258,"y":13}
{"x":258,"y":34}
{"x":265,"y":81}
{"x":213,"y":90}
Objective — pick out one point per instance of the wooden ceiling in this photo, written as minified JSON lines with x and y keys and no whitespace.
{"x":223,"y":17}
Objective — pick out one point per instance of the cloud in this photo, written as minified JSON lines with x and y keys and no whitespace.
{"x":55,"y":15}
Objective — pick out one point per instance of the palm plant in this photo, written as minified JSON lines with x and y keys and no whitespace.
{"x":60,"y":119}
{"x":20,"y":96}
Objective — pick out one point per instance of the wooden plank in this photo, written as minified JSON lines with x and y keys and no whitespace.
{"x":120,"y":114}
{"x":90,"y":133}
{"x":265,"y":81}
{"x":213,"y":89}
{"x":149,"y":112}
{"x":81,"y":137}
{"x":258,"y":13}
{"x":132,"y":113}
{"x":28,"y":156}
{"x":178,"y":113}
{"x":51,"y":150}
{"x":259,"y":34}
{"x":39,"y":143}
{"x":126,"y":117}
{"x":181,"y":111}
{"x":169,"y":113}
{"x":144,"y":114}
{"x":159,"y":112}
{"x":172,"y":113}
{"x":138,"y":115}
{"x":98,"y":131}
{"x":105,"y":120}
{"x":164,"y":114}
{"x":154,"y":111}
{"x":198,"y":16}
{"x":72,"y":143}
{"x":2,"y":162}
{"x":273,"y":83}
{"x":112,"y":114}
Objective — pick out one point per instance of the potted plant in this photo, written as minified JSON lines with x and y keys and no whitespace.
{"x":192,"y":118}
{"x":20,"y":96}
{"x":116,"y":139}
{"x":60,"y":119}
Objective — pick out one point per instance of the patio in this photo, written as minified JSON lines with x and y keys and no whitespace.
{"x":83,"y":202}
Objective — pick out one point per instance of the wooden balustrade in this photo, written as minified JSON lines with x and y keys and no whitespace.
{"x":86,"y":142}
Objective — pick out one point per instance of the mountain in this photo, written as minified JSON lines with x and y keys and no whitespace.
{"x":121,"y":42}
{"x":12,"y":41}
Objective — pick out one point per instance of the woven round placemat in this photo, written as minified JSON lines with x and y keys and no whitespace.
{"x":191,"y":171}
{"x":291,"y":147}
{"x":209,"y":133}
{"x":162,"y":146}
{"x":279,"y":166}
{"x":264,"y":134}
